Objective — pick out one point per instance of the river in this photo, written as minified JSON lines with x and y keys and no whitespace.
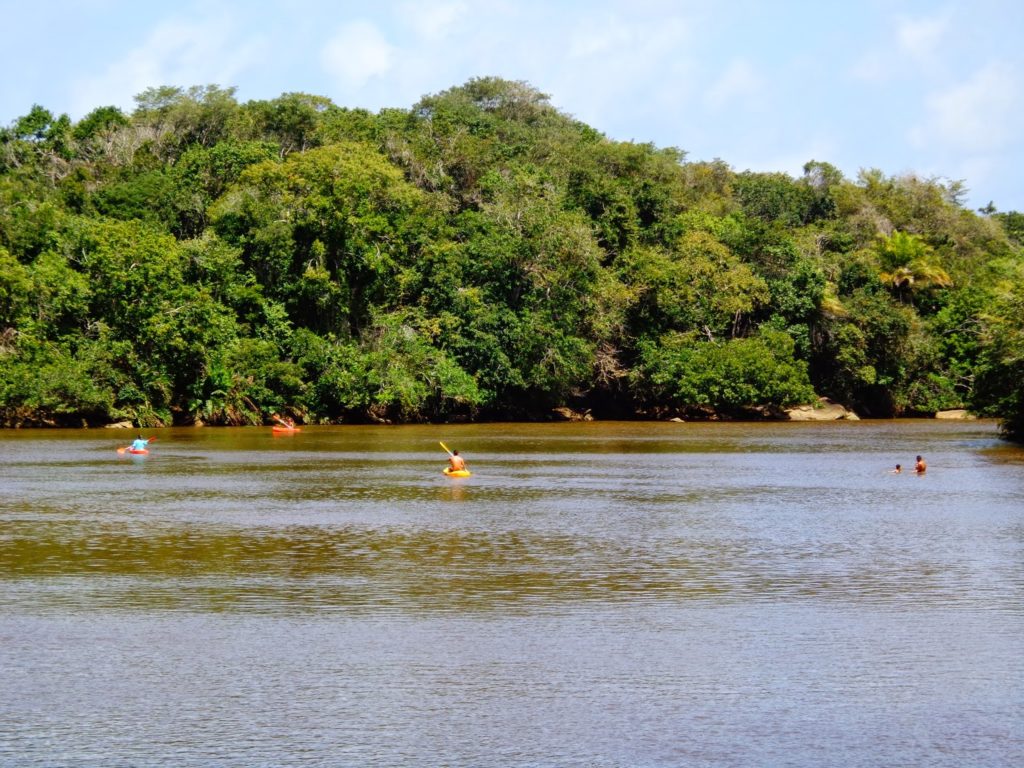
{"x":598,"y":594}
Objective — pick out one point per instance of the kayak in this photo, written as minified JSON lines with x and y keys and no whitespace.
{"x":285,"y":429}
{"x":457,"y":472}
{"x":138,"y":451}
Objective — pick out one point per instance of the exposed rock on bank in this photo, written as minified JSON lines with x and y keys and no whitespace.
{"x":957,"y":413}
{"x":823,"y":410}
{"x":568,"y":414}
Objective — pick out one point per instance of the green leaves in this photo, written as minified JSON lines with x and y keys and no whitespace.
{"x":480,"y":254}
{"x":909,"y":265}
{"x":734,"y":377}
{"x":47,"y":384}
{"x":339,"y":214}
{"x":396,"y":373}
{"x":700,"y":286}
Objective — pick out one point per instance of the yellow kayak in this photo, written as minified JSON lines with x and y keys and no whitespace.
{"x":457,"y":472}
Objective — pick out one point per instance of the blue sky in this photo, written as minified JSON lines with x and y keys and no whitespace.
{"x":932,"y":88}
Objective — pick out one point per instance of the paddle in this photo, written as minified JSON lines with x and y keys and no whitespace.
{"x":448,"y":450}
{"x":125,"y":448}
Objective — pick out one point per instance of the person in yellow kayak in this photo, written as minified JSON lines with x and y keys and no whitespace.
{"x":455,"y":462}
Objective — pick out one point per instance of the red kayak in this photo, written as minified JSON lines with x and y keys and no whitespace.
{"x":135,"y":451}
{"x":285,"y":430}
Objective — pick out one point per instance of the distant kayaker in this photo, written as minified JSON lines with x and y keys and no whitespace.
{"x":139,"y":443}
{"x":921,"y":466}
{"x":455,"y":462}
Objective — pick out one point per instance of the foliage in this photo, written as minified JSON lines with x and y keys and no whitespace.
{"x":478,"y":255}
{"x":909,"y":266}
{"x":732,"y":377}
{"x":1000,"y":389}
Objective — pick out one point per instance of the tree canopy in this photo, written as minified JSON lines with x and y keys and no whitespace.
{"x":479,"y":255}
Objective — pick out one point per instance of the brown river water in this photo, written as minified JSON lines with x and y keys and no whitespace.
{"x":600,"y":594}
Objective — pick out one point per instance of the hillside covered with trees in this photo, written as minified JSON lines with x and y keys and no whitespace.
{"x":480,"y":255}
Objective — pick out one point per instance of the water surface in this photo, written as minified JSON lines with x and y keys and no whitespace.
{"x":601,"y":594}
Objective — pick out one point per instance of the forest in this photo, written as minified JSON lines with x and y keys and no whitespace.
{"x":478,"y":256}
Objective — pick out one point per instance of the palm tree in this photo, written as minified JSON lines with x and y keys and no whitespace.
{"x":909,"y":265}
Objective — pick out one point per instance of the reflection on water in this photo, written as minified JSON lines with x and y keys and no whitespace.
{"x":596,"y":594}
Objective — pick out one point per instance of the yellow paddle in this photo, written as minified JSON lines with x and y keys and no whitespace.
{"x":446,"y":449}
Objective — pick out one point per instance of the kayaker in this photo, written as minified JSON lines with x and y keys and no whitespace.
{"x":921,"y":466}
{"x":455,"y":462}
{"x":139,"y":444}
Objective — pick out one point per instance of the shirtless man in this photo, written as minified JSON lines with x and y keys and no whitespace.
{"x":456,"y":462}
{"x":921,"y":466}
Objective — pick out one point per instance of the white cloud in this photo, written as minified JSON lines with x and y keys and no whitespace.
{"x":613,"y":71}
{"x":739,"y":81}
{"x":922,"y":38}
{"x":871,"y":67}
{"x":918,"y":41}
{"x":979,"y":172}
{"x":357,"y":53}
{"x":600,"y":38}
{"x":980,"y":115}
{"x":433,"y":21}
{"x":792,"y":160}
{"x":175,"y":53}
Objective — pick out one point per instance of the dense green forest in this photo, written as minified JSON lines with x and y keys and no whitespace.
{"x":480,"y":255}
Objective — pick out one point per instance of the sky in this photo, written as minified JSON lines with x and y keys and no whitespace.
{"x":903,"y":86}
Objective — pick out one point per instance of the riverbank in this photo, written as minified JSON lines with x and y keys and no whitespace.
{"x":822,"y":411}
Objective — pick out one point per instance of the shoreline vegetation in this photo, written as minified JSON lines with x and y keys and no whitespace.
{"x":822,"y":411}
{"x":479,"y":256}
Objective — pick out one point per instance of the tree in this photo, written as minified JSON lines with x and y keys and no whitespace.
{"x":909,"y":266}
{"x":203,"y":174}
{"x":293,"y":120}
{"x":97,"y":121}
{"x":15,"y":292}
{"x":1013,"y":224}
{"x":478,"y":255}
{"x":734,"y":377}
{"x":698,"y":286}
{"x":182,"y":117}
{"x":35,"y":125}
{"x":999,"y":387}
{"x":775,"y":197}
{"x":342,"y":211}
